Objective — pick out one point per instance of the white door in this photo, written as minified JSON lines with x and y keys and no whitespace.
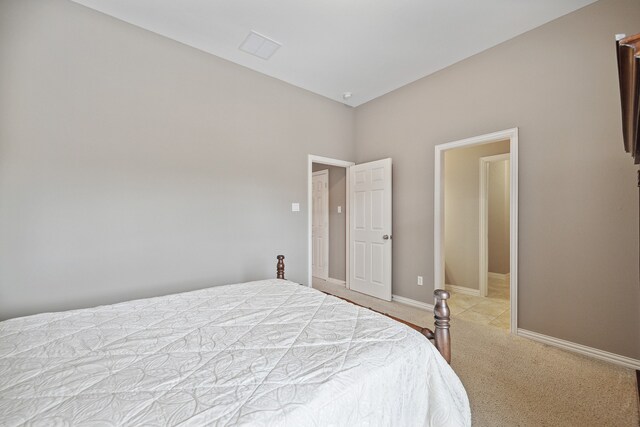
{"x":320,"y":224}
{"x":370,"y":228}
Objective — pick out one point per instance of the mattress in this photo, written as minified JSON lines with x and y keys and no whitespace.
{"x":260,"y":353}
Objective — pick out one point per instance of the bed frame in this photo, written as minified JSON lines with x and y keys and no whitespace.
{"x":441,"y":337}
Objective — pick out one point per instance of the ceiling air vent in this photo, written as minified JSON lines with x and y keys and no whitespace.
{"x":259,"y":45}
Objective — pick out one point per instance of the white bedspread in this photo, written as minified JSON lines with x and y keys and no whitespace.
{"x":261,"y":353}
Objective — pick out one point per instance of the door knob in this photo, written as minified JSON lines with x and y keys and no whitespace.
{"x":386,"y":237}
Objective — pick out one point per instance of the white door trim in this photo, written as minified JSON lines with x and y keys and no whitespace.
{"x":325,"y":190}
{"x":484,"y":218}
{"x":438,"y":204}
{"x":311,"y":159}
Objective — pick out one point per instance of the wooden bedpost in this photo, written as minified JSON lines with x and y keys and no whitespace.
{"x":280,"y":267}
{"x":441,"y":313}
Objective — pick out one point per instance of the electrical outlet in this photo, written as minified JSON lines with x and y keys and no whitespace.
{"x":419,"y":280}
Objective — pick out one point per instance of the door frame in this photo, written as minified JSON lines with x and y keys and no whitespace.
{"x":438,"y":203}
{"x":311,"y":159}
{"x":325,"y":190}
{"x":485,"y":162}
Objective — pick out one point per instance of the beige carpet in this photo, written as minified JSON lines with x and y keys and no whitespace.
{"x":513,"y":381}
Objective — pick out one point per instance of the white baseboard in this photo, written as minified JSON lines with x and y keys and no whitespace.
{"x":337,"y":281}
{"x":581,"y":349}
{"x":462,"y":290}
{"x":412,"y":302}
{"x":504,"y":277}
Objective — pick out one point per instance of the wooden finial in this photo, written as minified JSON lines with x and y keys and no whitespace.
{"x":442,"y":322}
{"x":280,"y":267}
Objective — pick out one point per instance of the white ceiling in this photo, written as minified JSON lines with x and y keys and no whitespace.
{"x":367,"y":47}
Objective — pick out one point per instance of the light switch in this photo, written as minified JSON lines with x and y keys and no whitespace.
{"x":339,"y":209}
{"x":295,"y":207}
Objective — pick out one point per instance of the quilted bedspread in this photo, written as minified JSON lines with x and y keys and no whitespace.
{"x":261,"y":353}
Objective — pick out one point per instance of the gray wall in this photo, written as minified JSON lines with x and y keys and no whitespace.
{"x":462,"y":212}
{"x":132,"y":165}
{"x":578,"y":207}
{"x":337,"y":221}
{"x":498,"y":217}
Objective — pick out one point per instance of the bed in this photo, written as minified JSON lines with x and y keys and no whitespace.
{"x":269,"y":352}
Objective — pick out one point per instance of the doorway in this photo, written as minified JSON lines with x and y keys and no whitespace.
{"x":462,"y":252}
{"x":367,"y":218}
{"x":328,"y":220}
{"x":328,"y":223}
